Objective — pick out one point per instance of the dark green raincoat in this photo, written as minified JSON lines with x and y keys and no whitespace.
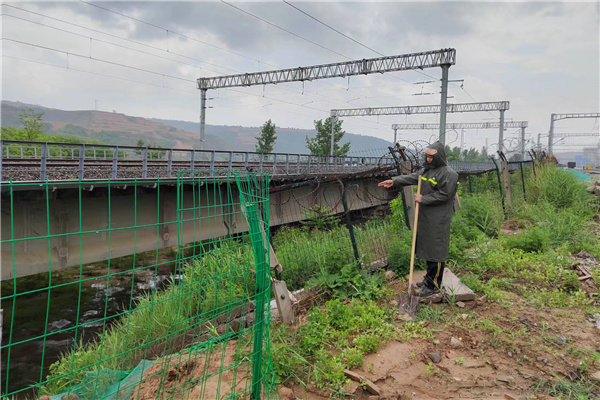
{"x":438,"y":188}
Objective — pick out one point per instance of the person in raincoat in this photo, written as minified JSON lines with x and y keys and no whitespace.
{"x":438,"y":189}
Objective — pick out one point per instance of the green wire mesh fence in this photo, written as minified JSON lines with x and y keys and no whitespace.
{"x":185,"y":316}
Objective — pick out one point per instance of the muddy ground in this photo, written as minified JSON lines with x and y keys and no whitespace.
{"x":483,"y":350}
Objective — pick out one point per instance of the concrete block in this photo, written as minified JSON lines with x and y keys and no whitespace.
{"x":451,"y":284}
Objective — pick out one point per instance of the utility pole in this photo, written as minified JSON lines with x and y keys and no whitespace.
{"x":523,"y":143}
{"x":395,"y":136}
{"x":462,"y":143}
{"x":501,"y":133}
{"x":333,"y":119}
{"x":539,"y":143}
{"x":444,"y":103}
{"x":202,"y":117}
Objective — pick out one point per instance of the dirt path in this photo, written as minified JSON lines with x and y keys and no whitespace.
{"x":500,"y":353}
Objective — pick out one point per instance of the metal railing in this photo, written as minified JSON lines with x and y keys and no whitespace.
{"x":41,"y":161}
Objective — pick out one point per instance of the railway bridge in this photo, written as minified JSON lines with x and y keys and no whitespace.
{"x":65,"y":205}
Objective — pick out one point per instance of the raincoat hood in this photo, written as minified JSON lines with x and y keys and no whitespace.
{"x":439,"y":159}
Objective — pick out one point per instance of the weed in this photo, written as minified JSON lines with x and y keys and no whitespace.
{"x":459,"y":361}
{"x":431,"y":369}
{"x":430,"y":312}
{"x":569,"y":390}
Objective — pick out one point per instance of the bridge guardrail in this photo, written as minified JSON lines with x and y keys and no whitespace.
{"x":41,"y":161}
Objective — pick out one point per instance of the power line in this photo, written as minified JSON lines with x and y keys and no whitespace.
{"x":127,"y":66}
{"x":99,"y":60}
{"x":118,"y":45}
{"x":98,"y":74}
{"x":175,"y":33}
{"x":333,"y":29}
{"x":107,"y":34}
{"x":352,"y":39}
{"x":285,"y":30}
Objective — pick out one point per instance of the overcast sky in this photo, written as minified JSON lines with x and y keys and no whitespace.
{"x":143,"y":59}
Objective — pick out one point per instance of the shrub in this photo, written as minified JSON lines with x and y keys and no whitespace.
{"x":533,"y":241}
{"x":483,"y":212}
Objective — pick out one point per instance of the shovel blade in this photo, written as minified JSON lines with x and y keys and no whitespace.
{"x":408,"y":304}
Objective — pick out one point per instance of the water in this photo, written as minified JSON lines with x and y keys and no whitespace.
{"x":31,"y":353}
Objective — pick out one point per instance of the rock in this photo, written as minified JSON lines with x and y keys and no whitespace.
{"x":509,"y":397}
{"x":464,"y":316}
{"x":393,"y":303}
{"x":595,"y":376}
{"x":364,"y":382}
{"x":504,"y":378}
{"x":562,"y":339}
{"x":435,"y":357}
{"x":509,"y":354}
{"x":286,"y":393}
{"x":59,"y":325}
{"x":403,"y":317}
{"x":349,"y":388}
{"x":454,"y":342}
{"x":460,"y":304}
{"x":483,"y":298}
{"x":71,"y":396}
{"x":389,"y":275}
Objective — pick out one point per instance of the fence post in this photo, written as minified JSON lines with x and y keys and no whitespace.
{"x":258,"y":246}
{"x":523,"y":181}
{"x":170,"y":165}
{"x":44,"y":154}
{"x":230,"y":164}
{"x":349,"y":223}
{"x":115,"y":161}
{"x":287,"y":164}
{"x":192,"y":162}
{"x":308,"y":169}
{"x":1,"y":160}
{"x":144,"y":163}
{"x":406,"y":192}
{"x":500,"y":185}
{"x":81,"y":160}
{"x":506,"y":178}
{"x":260,"y":162}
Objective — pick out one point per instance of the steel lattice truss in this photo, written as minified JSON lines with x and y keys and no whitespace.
{"x":462,"y":125}
{"x":430,"y":109}
{"x":428,"y":59}
{"x":563,"y":134}
{"x":556,"y":117}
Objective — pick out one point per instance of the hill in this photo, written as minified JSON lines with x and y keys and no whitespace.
{"x":120,"y":129}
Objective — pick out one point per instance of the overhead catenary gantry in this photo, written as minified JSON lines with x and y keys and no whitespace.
{"x":556,"y":117}
{"x":443,"y":58}
{"x":467,"y":125}
{"x":501,"y":106}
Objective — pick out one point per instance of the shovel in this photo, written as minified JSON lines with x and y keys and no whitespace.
{"x":409,"y":302}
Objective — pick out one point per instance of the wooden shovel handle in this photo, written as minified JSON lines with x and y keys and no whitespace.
{"x":414,"y":238}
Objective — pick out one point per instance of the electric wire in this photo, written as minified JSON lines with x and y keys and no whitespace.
{"x":99,"y":60}
{"x":178,"y":34}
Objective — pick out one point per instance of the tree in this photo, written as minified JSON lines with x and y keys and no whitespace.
{"x":32,"y":124}
{"x":320,"y":145}
{"x":267,"y":138}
